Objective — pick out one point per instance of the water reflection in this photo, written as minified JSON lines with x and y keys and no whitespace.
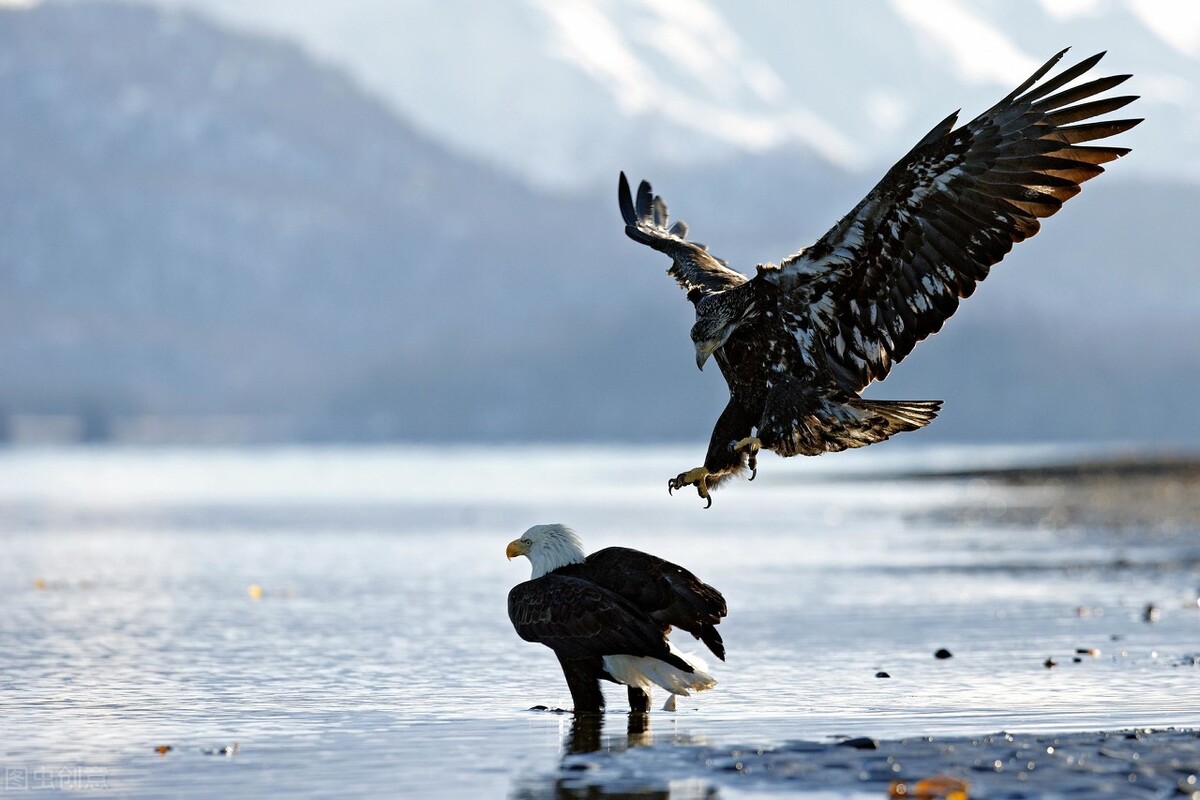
{"x":585,"y":734}
{"x":588,"y":754}
{"x":561,"y":790}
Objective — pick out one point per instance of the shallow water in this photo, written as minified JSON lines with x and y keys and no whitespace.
{"x":379,"y":660}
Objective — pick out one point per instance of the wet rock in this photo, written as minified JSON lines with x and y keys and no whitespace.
{"x":1127,"y":763}
{"x":943,"y":653}
{"x":227,"y":750}
{"x":860,"y":743}
{"x":882,"y":674}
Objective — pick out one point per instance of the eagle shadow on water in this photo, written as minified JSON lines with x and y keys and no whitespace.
{"x":799,"y":341}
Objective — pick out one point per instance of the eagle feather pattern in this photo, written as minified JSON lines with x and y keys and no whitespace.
{"x":577,"y":619}
{"x":811,"y":333}
{"x":671,"y":595}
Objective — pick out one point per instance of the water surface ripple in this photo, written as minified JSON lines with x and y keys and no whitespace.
{"x":339,"y":614}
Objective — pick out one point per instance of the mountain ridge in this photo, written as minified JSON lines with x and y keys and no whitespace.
{"x":563,"y":94}
{"x":210,"y":223}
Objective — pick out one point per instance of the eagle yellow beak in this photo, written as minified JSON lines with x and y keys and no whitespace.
{"x":704,"y":350}
{"x":515,"y":548}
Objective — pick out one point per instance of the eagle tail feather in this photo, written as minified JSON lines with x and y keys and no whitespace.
{"x":681,"y":673}
{"x":696,"y":608}
{"x":900,"y":415}
{"x":712,"y":639}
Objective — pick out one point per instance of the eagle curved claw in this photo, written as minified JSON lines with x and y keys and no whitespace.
{"x":697,"y":477}
{"x":753,"y":444}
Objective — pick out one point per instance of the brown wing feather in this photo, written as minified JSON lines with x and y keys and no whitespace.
{"x":671,"y":595}
{"x":894,"y":269}
{"x":578,"y":619}
{"x":693,"y":268}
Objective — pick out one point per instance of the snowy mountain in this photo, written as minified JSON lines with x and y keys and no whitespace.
{"x":563,"y":93}
{"x":205,"y":221}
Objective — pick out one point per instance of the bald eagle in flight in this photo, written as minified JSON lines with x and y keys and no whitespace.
{"x":607,"y":615}
{"x":799,"y":341}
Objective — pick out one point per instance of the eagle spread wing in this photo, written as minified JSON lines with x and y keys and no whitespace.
{"x":578,"y":619}
{"x":893,"y":269}
{"x":693,"y":267}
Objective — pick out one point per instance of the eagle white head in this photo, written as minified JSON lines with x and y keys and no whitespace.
{"x":547,"y":547}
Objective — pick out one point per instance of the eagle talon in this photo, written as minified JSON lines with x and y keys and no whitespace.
{"x":752,"y":444}
{"x":697,"y":477}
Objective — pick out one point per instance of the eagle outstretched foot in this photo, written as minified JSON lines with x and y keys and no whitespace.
{"x":697,"y":477}
{"x":753,"y":444}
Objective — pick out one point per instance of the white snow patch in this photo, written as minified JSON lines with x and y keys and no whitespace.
{"x":886,"y":108}
{"x":982,"y":53}
{"x":1063,"y":10}
{"x":697,"y":39}
{"x":1169,"y":89}
{"x":593,"y":44}
{"x":689,"y":36}
{"x":1176,"y":22}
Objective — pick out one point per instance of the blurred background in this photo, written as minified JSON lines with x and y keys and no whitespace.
{"x":396,"y":220}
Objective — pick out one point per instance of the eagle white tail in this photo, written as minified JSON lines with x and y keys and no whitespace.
{"x":644,"y":672}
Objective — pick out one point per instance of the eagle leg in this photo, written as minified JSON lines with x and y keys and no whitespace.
{"x":697,"y":477}
{"x":752,"y":444}
{"x":583,"y":679}
{"x":639,"y":701}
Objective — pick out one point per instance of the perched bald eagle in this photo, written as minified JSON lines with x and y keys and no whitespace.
{"x":607,"y":616}
{"x":799,"y":341}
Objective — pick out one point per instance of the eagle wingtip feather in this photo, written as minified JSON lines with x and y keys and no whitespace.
{"x":625,"y":201}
